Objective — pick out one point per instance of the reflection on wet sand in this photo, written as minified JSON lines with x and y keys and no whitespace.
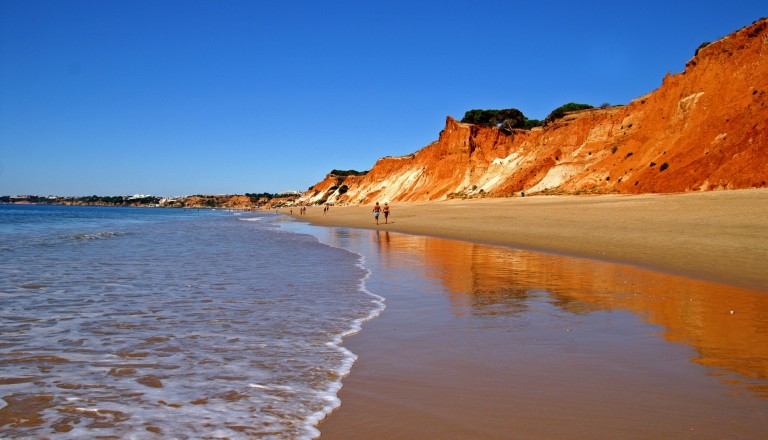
{"x":725,"y":325}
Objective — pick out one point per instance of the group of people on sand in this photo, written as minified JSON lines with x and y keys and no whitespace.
{"x":378,"y":209}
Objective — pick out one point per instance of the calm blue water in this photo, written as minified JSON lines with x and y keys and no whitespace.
{"x":134,"y":322}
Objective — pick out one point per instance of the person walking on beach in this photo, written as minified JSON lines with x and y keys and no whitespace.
{"x":386,"y":212}
{"x":376,"y":211}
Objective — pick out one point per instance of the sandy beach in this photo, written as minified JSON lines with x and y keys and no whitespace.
{"x":720,"y":236}
{"x":657,"y":333}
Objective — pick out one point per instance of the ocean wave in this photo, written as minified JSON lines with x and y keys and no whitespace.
{"x":224,"y":350}
{"x":375,"y":306}
{"x":96,"y":236}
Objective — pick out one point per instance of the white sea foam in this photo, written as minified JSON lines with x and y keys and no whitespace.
{"x":331,"y":393}
{"x":189,"y":326}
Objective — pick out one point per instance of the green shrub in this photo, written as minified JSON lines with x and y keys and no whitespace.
{"x":563,"y":109}
{"x":343,"y":189}
{"x":530,"y":123}
{"x":258,"y":196}
{"x":663,"y":166}
{"x":506,"y":119}
{"x":348,"y":173}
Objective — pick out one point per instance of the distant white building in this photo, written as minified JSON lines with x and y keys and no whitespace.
{"x":139,"y":196}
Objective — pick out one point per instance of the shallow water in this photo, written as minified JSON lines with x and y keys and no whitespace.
{"x":491,"y":342}
{"x":137,"y":323}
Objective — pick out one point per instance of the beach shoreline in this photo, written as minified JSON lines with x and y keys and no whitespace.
{"x":716,"y":236}
{"x":486,"y":342}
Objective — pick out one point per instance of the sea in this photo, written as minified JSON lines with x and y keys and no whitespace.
{"x":155,"y":323}
{"x":123,"y":322}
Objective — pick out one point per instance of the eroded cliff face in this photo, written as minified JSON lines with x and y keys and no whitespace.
{"x":703,"y":129}
{"x":224,"y":201}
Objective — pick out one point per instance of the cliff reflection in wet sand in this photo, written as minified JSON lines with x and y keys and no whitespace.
{"x":725,"y":325}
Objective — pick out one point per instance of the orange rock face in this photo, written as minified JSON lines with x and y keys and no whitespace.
{"x":326,"y":187}
{"x":703,"y":129}
{"x":233,"y":202}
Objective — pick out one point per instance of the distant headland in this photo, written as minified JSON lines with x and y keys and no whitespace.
{"x":229,"y":201}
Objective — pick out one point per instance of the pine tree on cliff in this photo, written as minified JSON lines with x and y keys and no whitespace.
{"x":506,"y":119}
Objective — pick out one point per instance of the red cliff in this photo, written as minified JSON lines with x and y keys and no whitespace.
{"x":703,"y":129}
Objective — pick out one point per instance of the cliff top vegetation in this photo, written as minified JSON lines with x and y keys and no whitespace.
{"x":348,"y":173}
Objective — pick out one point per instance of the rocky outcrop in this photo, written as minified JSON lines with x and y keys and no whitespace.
{"x":222,"y":201}
{"x":703,"y":129}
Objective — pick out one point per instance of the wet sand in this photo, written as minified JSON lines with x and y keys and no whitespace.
{"x":720,"y":236}
{"x":482,"y":342}
{"x":487,"y":342}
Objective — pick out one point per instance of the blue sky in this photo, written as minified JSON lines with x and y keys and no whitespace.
{"x":224,"y":96}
